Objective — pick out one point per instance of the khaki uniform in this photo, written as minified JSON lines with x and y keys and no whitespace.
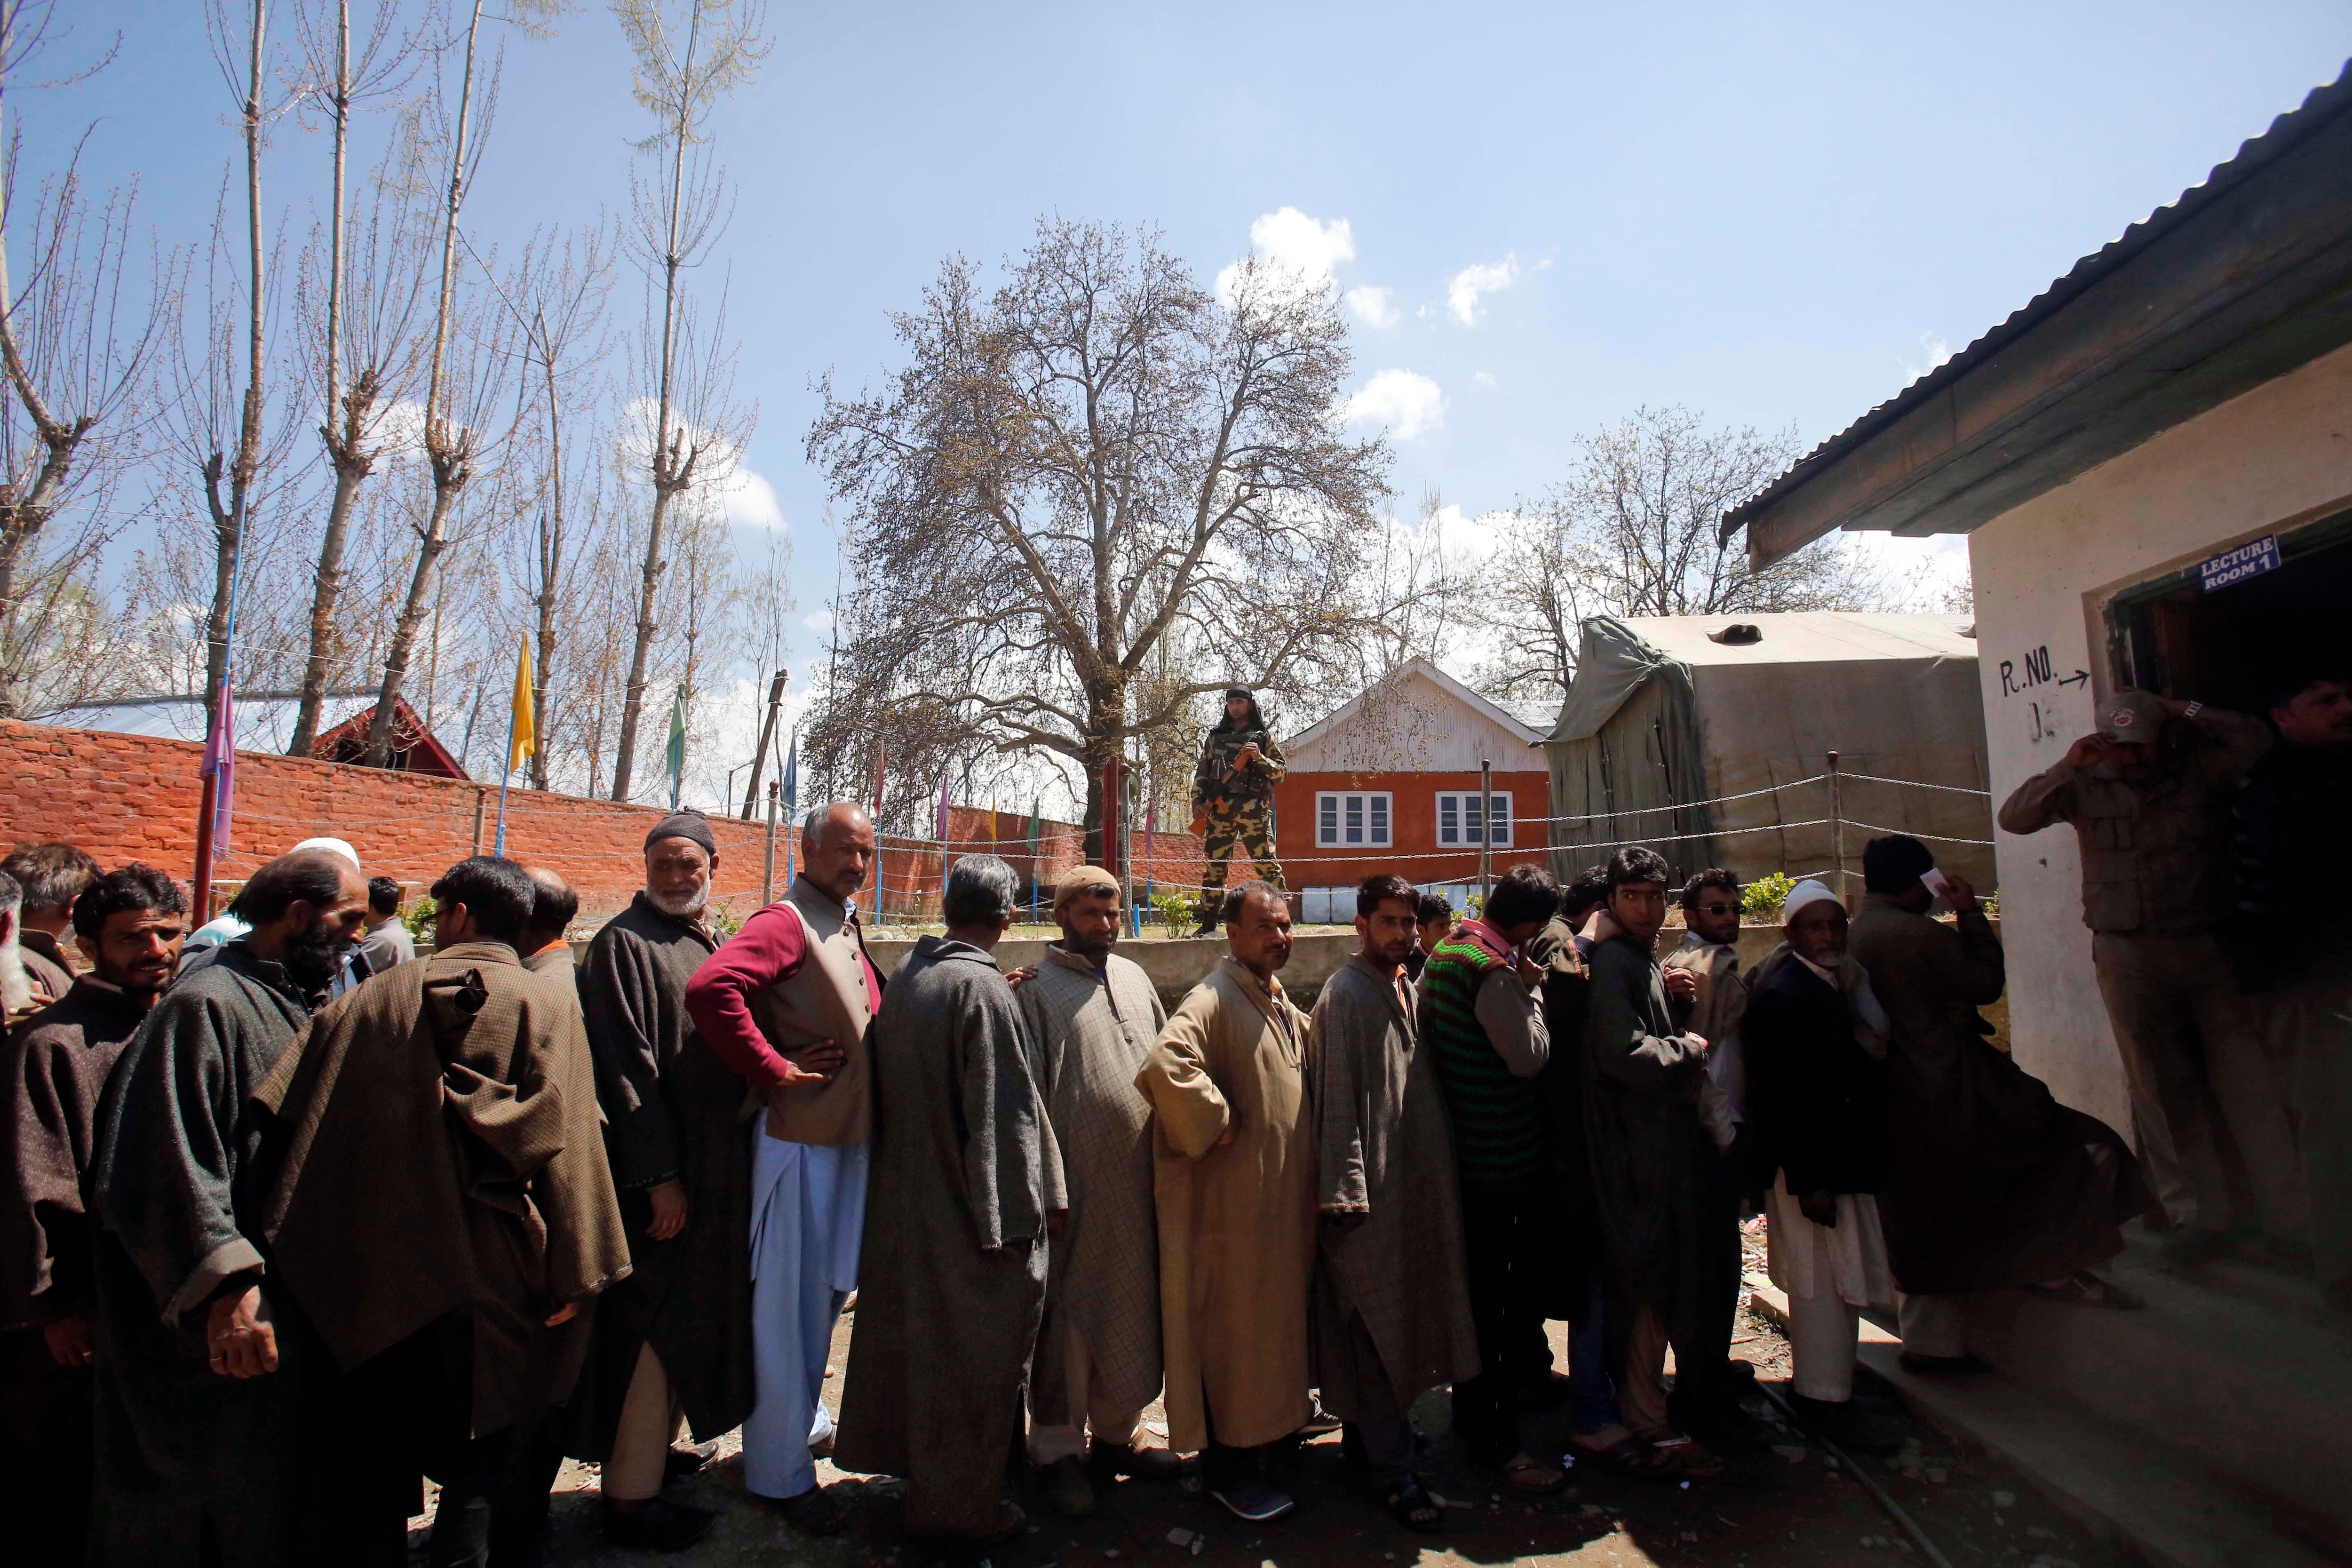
{"x":1238,"y":799}
{"x":2156,"y":885}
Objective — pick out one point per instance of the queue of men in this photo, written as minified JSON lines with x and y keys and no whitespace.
{"x":639,"y":1194}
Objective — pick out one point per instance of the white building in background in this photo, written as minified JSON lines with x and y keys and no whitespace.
{"x":2152,"y":460}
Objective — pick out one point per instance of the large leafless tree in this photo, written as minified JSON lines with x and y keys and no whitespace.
{"x":1068,"y":472}
{"x":77,"y":332}
{"x":1632,"y":531}
{"x":370,"y":296}
{"x":688,"y":54}
{"x":472,"y":354}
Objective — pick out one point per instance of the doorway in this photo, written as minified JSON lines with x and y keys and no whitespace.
{"x":2175,"y":637}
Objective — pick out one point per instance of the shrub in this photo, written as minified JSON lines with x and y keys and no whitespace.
{"x":418,"y":917}
{"x":1761,"y":900}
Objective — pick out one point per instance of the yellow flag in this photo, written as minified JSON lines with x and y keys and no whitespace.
{"x":525,"y":733}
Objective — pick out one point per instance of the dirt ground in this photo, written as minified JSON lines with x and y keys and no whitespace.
{"x":1786,"y":1503}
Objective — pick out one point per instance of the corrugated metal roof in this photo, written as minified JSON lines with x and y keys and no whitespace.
{"x":2318,"y":106}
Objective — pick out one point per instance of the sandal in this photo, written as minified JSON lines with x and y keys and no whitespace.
{"x":2088,"y":1290}
{"x":1411,"y":1505}
{"x":1523,"y":1472}
{"x":1687,"y":1457}
{"x":1627,"y":1455}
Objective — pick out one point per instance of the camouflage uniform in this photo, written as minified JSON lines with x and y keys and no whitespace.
{"x":1239,"y":806}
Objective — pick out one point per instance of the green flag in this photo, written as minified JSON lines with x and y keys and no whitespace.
{"x":676,"y":747}
{"x":1036,"y":833}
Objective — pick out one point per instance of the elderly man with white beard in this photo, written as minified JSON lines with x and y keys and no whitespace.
{"x":673,"y":1341}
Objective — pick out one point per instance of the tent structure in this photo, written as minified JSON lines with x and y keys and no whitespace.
{"x":1698,"y":735}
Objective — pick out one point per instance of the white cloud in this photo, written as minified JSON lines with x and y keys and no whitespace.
{"x":1937,"y":351}
{"x":1483,"y":378}
{"x":1464,"y":293}
{"x":1289,"y":241}
{"x":1408,"y":403}
{"x":820,"y":622}
{"x":748,"y":499}
{"x":1371,"y":306}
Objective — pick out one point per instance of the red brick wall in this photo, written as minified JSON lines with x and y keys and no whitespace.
{"x":913,"y":874}
{"x":133,"y":797}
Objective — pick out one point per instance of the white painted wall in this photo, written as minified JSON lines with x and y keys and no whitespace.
{"x":2278,"y":456}
{"x":1415,"y":726}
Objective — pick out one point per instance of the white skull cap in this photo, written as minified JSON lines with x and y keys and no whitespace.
{"x":1807,"y":892}
{"x":329,"y":847}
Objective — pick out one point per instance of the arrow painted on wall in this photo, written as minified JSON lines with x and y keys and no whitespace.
{"x":2077,"y":679}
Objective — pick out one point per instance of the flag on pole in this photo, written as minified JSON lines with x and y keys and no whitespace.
{"x":881,"y":763}
{"x":792,"y":802}
{"x":676,"y":747}
{"x":219,"y":762}
{"x":1036,"y":837}
{"x":942,"y":825}
{"x":522,"y":740}
{"x":522,"y":734}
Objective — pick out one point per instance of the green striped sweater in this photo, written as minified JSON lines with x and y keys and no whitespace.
{"x":1498,"y":1131}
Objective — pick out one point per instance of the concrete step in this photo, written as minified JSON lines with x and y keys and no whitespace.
{"x":2172,"y":1514}
{"x":2233,"y":1370}
{"x":2169,"y":1508}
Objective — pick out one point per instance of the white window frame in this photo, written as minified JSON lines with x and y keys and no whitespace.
{"x":1333,"y":835}
{"x":1466,"y":801}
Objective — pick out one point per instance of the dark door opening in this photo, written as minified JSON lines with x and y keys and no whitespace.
{"x":2223,"y":646}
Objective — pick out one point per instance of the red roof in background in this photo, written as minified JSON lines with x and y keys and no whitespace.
{"x":414,"y":748}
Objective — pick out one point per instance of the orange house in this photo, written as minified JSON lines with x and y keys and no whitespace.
{"x":1390,"y":783}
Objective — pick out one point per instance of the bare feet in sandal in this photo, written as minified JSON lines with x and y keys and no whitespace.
{"x":1523,"y":1472}
{"x":1686,"y":1457}
{"x":1411,"y":1505}
{"x":1615,"y":1448}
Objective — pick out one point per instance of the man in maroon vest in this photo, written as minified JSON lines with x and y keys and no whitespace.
{"x":786,"y":1002}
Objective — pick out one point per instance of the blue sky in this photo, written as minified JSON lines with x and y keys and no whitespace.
{"x":1767,"y":214}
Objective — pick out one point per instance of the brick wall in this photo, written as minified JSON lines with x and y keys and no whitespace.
{"x":134,"y":797}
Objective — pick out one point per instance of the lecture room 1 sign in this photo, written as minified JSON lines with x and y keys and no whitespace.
{"x":2250,"y":559}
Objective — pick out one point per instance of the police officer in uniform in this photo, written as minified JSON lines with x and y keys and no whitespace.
{"x":2149,"y":797}
{"x":1232,"y":787}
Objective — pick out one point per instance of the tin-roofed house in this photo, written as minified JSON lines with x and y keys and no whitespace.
{"x":1390,"y":782}
{"x":2152,"y":462}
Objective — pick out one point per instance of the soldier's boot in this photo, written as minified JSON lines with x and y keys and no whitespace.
{"x":1208,"y":918}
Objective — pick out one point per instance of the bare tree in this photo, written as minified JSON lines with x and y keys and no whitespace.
{"x":240,"y":48}
{"x":76,"y":336}
{"x":234,"y":437}
{"x":1632,"y":531}
{"x":689,"y":55}
{"x":561,"y":295}
{"x":380,"y":296}
{"x":1546,"y":584}
{"x":1064,"y":474}
{"x":472,"y":353}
